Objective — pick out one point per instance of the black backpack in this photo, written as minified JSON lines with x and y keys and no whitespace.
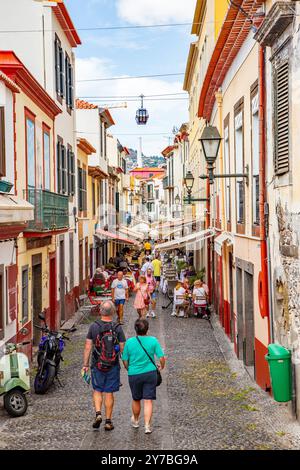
{"x":105,"y":354}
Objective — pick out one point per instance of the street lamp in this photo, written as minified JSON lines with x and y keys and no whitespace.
{"x":131,"y":198}
{"x":177,"y":200}
{"x":211,"y":141}
{"x":188,"y":182}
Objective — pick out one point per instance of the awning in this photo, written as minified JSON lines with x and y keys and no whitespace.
{"x":114,"y":236}
{"x":192,"y":238}
{"x":13,"y":209}
{"x":180,"y":227}
{"x":225,"y":237}
{"x":132,"y":233}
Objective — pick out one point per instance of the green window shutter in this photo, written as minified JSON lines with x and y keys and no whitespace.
{"x":58,"y":151}
{"x":282,"y":118}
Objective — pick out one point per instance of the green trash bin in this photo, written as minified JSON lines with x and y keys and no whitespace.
{"x":279,"y":359}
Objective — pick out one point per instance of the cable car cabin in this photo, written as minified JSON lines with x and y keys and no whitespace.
{"x":142,"y":116}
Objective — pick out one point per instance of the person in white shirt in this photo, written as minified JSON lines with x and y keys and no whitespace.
{"x":119,"y":294}
{"x":200,"y":293}
{"x":180,"y":301}
{"x":146,"y":265}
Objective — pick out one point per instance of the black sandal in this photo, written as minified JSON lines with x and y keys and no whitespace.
{"x":98,"y":421}
{"x":108,"y":425}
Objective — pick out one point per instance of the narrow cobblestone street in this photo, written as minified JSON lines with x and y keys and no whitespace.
{"x":202,"y":404}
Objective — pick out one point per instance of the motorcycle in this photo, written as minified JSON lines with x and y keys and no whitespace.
{"x":49,"y":356}
{"x":14,"y":379}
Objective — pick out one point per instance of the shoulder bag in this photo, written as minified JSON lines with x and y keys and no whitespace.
{"x":159,"y":377}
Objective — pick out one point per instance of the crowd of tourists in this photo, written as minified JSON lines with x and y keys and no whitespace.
{"x":142,"y":355}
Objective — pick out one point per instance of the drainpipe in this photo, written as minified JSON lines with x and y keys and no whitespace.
{"x":263,"y":288}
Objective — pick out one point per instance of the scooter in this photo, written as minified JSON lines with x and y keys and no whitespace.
{"x":14,"y":379}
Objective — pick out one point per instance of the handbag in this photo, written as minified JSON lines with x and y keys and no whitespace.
{"x":159,"y":377}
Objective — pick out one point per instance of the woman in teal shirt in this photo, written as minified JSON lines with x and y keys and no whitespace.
{"x":142,"y":373}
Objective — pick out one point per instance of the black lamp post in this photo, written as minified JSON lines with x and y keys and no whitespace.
{"x":189,"y":183}
{"x":177,"y":200}
{"x":131,"y":197}
{"x":211,"y":141}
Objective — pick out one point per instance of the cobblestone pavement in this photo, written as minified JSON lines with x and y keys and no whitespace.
{"x":205,"y":401}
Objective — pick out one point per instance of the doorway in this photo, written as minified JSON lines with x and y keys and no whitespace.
{"x":52,"y":292}
{"x":36,"y":295}
{"x":62,"y":288}
{"x":81,"y":286}
{"x":231,"y":309}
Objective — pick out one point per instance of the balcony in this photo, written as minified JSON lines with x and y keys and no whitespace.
{"x":51,"y":211}
{"x":167,"y":183}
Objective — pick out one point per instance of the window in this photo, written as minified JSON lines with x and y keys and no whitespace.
{"x":47,"y":166}
{"x":281,"y":117}
{"x":24,"y":295}
{"x":30,"y":151}
{"x":227,"y":169}
{"x":61,"y":168}
{"x":69,"y":83}
{"x":239,"y":162}
{"x":71,"y":171}
{"x":2,"y":142}
{"x":59,"y":68}
{"x":94,"y":197}
{"x":82,"y":199}
{"x":255,"y":157}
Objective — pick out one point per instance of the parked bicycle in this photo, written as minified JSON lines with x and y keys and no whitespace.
{"x":49,"y":357}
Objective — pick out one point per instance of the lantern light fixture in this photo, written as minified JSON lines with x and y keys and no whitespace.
{"x":142,"y":114}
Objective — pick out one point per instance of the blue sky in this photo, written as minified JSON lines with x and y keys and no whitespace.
{"x":135,"y":52}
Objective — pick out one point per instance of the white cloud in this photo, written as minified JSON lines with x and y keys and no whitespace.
{"x":156,"y":11}
{"x":163,"y":114}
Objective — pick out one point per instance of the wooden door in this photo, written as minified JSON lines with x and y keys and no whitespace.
{"x":36,"y":295}
{"x":52,"y":293}
{"x":62,"y":288}
{"x":240,"y":314}
{"x":231,"y":310}
{"x":81,"y":286}
{"x":249,"y":320}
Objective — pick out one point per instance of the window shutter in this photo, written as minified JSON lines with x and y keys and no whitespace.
{"x":282,"y":118}
{"x":57,"y":66}
{"x":61,"y":72}
{"x":58,"y":150}
{"x":72,"y":173}
{"x":12,"y":292}
{"x":67,"y":79}
{"x":64,"y":169}
{"x":80,"y":189}
{"x":2,"y":142}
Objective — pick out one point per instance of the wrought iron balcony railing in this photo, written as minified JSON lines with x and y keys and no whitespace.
{"x":51,"y":210}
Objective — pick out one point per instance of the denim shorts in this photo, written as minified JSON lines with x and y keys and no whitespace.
{"x":106,"y":382}
{"x":119,"y":302}
{"x":143,"y":386}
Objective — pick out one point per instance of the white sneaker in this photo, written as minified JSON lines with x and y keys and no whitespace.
{"x":134,"y":423}
{"x":173,"y":314}
{"x":148,"y":430}
{"x":153,"y":314}
{"x":148,"y":315}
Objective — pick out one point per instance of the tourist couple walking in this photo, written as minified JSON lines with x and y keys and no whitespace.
{"x":105,"y":344}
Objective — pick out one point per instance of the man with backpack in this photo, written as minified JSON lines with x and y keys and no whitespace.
{"x":105,"y":342}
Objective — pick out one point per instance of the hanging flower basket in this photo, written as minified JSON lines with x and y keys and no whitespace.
{"x":5,"y":186}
